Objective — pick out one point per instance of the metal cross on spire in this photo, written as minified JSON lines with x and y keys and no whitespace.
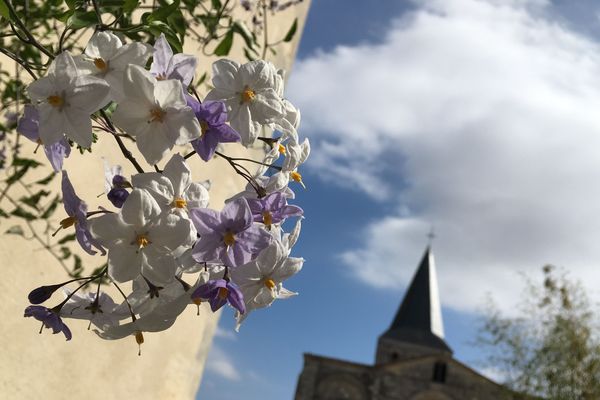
{"x":431,"y":235}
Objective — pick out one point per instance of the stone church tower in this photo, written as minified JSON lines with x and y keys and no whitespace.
{"x":412,"y":361}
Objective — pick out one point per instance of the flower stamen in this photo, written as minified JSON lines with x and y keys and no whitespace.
{"x":157,"y":115}
{"x":267,"y":218}
{"x":100,"y":64}
{"x":223,"y":292}
{"x":67,"y":222}
{"x":56,"y":101}
{"x":179,"y":203}
{"x":142,"y":241}
{"x":204,"y":126}
{"x":229,"y":238}
{"x":247,"y":95}
{"x":270,"y":283}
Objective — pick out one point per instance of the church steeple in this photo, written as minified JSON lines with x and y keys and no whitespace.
{"x":417,"y":328}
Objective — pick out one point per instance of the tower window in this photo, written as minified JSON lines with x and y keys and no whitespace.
{"x":439,"y":372}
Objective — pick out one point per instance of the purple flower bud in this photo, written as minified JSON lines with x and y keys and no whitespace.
{"x":43,"y":293}
{"x":117,"y":196}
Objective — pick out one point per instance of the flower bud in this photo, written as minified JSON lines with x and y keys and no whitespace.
{"x":43,"y":293}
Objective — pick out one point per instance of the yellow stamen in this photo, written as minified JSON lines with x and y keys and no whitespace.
{"x":267,"y":218}
{"x":270,"y":283}
{"x":142,"y":241}
{"x":67,"y":222}
{"x":247,"y":95}
{"x":229,"y":238}
{"x":179,"y":203}
{"x":197,"y":301}
{"x":56,"y":101}
{"x":223,"y":292}
{"x":100,"y":64}
{"x":203,"y":127}
{"x":139,"y":339}
{"x":296,"y":176}
{"x":282,"y":149}
{"x":157,"y":114}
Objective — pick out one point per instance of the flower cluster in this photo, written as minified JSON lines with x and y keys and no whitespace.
{"x":166,"y":245}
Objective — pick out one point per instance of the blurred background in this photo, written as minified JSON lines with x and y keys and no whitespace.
{"x":477,"y":118}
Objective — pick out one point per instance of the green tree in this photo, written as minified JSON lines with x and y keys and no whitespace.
{"x":551,"y":349}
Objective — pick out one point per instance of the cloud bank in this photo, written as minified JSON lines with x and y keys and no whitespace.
{"x":479,"y":117}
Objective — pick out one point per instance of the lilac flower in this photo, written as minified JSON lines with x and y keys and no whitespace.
{"x":220,"y":291}
{"x":115,"y":184}
{"x":212,"y":116}
{"x":165,"y":65}
{"x":77,"y":211}
{"x":50,"y":318}
{"x":118,"y":194}
{"x":228,"y":236}
{"x":272,"y":209}
{"x":28,"y":127}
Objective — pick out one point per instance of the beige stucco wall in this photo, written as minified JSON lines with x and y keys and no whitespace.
{"x":46,"y":366}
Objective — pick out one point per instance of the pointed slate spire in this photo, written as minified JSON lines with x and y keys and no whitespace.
{"x":419,"y":318}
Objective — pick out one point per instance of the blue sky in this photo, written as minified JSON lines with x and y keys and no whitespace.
{"x":476,"y":116}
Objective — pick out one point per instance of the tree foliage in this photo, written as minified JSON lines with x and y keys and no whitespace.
{"x":551,"y":348}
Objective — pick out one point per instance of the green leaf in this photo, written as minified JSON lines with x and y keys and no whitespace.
{"x":111,"y":3}
{"x":51,"y":208}
{"x":249,"y":55}
{"x":290,"y":35}
{"x":225,"y":46}
{"x":15,"y":230}
{"x":65,"y":252}
{"x":33,"y":200}
{"x":67,"y":238}
{"x":158,"y":27}
{"x":242,"y":30}
{"x":216,"y":4}
{"x":27,"y":162}
{"x":130,"y":5}
{"x":77,"y":266}
{"x":19,"y":212}
{"x":18,"y":174}
{"x":82,"y":19}
{"x":4,"y":11}
{"x":46,"y":180}
{"x":163,"y":12}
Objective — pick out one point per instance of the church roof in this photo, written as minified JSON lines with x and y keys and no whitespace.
{"x":419,"y":318}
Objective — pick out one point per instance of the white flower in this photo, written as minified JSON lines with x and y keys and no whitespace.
{"x":85,"y":306}
{"x":289,"y":122}
{"x":261,"y":280}
{"x":107,"y":58}
{"x":250,"y":92}
{"x":173,"y":190}
{"x":159,"y":318}
{"x":155,"y":113}
{"x":65,"y":101}
{"x":140,"y":239}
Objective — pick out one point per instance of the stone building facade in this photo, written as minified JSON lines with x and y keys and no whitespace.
{"x":412,"y":361}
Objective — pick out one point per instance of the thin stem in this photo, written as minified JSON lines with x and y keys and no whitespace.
{"x":265,"y":31}
{"x":18,"y":60}
{"x":97,"y":11}
{"x":30,"y":39}
{"x":124,"y":149}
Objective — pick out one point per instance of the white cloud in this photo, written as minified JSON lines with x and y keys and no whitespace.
{"x":220,"y":363}
{"x":225,"y":334}
{"x":481,"y":117}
